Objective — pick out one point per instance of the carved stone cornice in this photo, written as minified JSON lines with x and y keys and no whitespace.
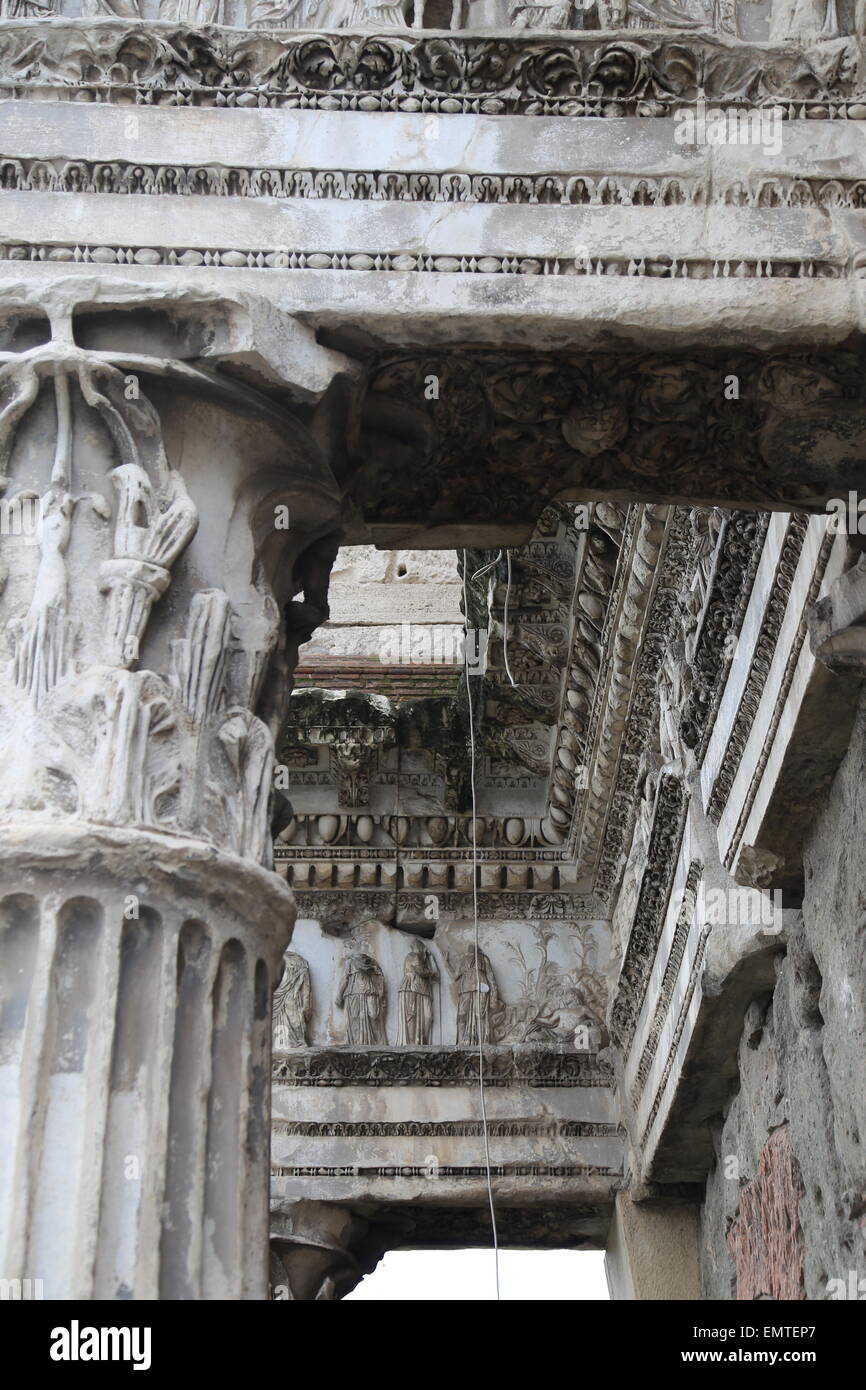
{"x":551,"y":188}
{"x":733,"y":577}
{"x":782,"y":693}
{"x":596,"y":574}
{"x":761,"y":661}
{"x":447,"y":1170}
{"x":552,"y":1128}
{"x":625,"y":680}
{"x":553,"y":75}
{"x":400,"y":261}
{"x":617,"y":588}
{"x":679,"y":1027}
{"x":357,"y":904}
{"x":659,"y":626}
{"x":654,"y":893}
{"x":684,"y":923}
{"x":503,"y":1066}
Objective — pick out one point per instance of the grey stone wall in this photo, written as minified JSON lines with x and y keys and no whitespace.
{"x":802,"y":1063}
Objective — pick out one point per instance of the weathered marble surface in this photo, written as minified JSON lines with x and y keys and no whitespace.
{"x":781,"y":19}
{"x":229,"y":264}
{"x":150,"y":628}
{"x":552,"y":980}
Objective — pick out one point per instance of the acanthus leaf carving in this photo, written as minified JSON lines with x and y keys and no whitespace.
{"x":97,"y":737}
{"x":586,"y":73}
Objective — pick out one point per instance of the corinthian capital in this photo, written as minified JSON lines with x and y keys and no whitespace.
{"x":159,"y":520}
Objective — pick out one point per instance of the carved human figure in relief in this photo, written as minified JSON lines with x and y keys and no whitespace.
{"x":365,"y":15}
{"x":648,"y":786}
{"x":193,"y":11}
{"x":26,"y":9}
{"x":415,"y":998}
{"x":674,"y":685}
{"x":478,"y":999}
{"x":662,"y":14}
{"x":326,"y":14}
{"x":121,"y":9}
{"x":707,"y":527}
{"x":361,"y":993}
{"x":543,"y":15}
{"x":292,"y":1000}
{"x":805,"y":20}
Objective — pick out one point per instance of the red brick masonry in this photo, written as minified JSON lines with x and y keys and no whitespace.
{"x":765,"y":1239}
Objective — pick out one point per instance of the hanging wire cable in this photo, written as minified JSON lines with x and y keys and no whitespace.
{"x":484,"y":1126}
{"x":396,"y":823}
{"x":505,"y":621}
{"x":485,"y":569}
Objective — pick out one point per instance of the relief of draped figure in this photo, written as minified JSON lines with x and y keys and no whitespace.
{"x":179,"y":11}
{"x":194,"y":11}
{"x":804,"y":20}
{"x":666,"y":14}
{"x":479,"y":1007}
{"x":361,"y":993}
{"x":326,"y":14}
{"x":26,"y":9}
{"x":415,"y":998}
{"x":292,"y":999}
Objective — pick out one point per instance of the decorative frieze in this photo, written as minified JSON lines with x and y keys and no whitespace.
{"x":641,"y":728}
{"x":598,"y":830}
{"x":782,"y":694}
{"x":372,"y":985}
{"x":400,"y":261}
{"x":503,"y":1066}
{"x":658,"y":427}
{"x":447,"y":1170}
{"x":682,"y":929}
{"x":679,"y":1027}
{"x":553,"y":189}
{"x":759,"y":668}
{"x":718,"y":624}
{"x":350,"y":904}
{"x":529,"y":74}
{"x":552,"y":1128}
{"x":640,"y":951}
